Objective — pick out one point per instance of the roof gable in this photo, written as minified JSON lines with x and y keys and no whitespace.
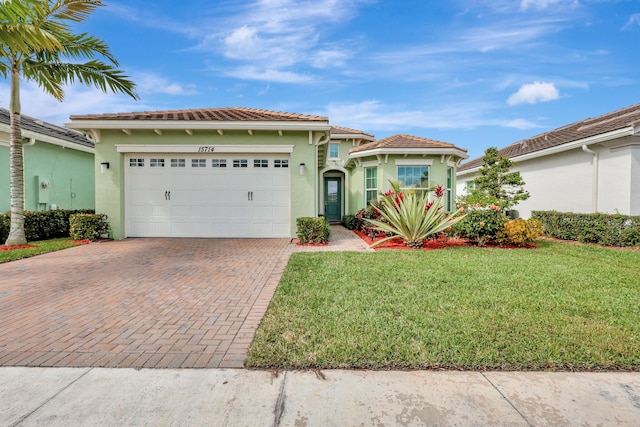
{"x":404,"y":141}
{"x":616,"y":120}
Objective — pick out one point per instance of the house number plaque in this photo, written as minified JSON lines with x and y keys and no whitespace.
{"x":206,"y":149}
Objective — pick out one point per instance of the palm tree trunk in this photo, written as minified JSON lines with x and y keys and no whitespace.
{"x":16,"y":166}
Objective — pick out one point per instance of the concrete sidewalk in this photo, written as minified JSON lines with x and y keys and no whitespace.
{"x":238,"y":397}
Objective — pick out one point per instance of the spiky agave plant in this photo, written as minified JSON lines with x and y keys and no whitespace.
{"x":411,"y":216}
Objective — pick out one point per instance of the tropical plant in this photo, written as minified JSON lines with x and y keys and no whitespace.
{"x":520,"y":232}
{"x":481,"y":224}
{"x":37,"y":44}
{"x":410,"y":216}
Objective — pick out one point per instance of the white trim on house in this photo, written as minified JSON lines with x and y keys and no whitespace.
{"x":203,"y":149}
{"x":414,"y":162}
{"x":406,"y":151}
{"x":27,"y":134}
{"x":603,"y":137}
{"x":369,"y":164}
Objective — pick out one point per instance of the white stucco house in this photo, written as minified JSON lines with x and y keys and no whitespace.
{"x":589,"y":166}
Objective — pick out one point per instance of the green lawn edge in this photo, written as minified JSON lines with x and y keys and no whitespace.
{"x":557,"y":307}
{"x":41,"y":247}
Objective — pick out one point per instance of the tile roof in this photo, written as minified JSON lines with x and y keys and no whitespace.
{"x":348,"y":131}
{"x":404,"y":141}
{"x":615,"y":120}
{"x":205,"y":114}
{"x":43,"y":128}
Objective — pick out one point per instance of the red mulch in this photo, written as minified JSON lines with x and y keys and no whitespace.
{"x":430,"y":244}
{"x":82,"y":242}
{"x":10,"y":248}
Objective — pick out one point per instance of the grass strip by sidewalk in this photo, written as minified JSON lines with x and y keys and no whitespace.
{"x":555,"y":307}
{"x":40,"y":247}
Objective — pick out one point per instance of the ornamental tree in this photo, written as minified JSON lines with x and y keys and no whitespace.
{"x":496,"y":184}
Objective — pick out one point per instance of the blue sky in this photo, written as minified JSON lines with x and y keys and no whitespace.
{"x":475,"y":73}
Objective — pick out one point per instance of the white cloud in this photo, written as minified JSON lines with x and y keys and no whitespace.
{"x":544,"y":4}
{"x":633,"y":21}
{"x":532,"y":93}
{"x":373,"y":114}
{"x":269,"y":75}
{"x":151,"y":83}
{"x":78,"y":100}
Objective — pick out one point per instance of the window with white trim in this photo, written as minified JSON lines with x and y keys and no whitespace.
{"x":198,"y":163}
{"x":240,"y":163}
{"x":334,"y":150}
{"x":260,"y":163}
{"x":218,"y":163}
{"x":281,"y":163}
{"x":156,"y":163}
{"x":136,"y":163}
{"x":414,"y":177}
{"x":469,"y":186}
{"x":178,"y":163}
{"x":370,"y":185}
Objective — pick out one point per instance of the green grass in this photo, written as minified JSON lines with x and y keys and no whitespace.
{"x":41,"y":247}
{"x":555,"y":307}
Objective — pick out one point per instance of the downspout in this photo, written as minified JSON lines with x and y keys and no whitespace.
{"x":594,"y":190}
{"x":327,"y":137}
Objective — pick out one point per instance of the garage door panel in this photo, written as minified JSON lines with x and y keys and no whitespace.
{"x":208,"y":201}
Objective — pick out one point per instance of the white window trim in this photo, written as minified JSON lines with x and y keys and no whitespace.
{"x":414,"y":162}
{"x":367,"y":189}
{"x":329,"y":149}
{"x":416,"y":188}
{"x":370,"y":164}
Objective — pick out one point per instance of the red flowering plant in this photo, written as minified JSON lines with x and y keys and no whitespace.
{"x":411,"y":216}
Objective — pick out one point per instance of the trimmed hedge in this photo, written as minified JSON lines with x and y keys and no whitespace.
{"x":88,"y":226}
{"x":603,"y":229}
{"x":312,"y":230}
{"x":41,"y":225}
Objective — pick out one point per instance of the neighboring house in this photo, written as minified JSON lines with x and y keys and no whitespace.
{"x":242,"y":172}
{"x":58,"y":166}
{"x":588,"y":166}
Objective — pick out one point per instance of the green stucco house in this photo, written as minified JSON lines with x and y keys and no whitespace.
{"x":241,"y":172}
{"x":58,"y":166}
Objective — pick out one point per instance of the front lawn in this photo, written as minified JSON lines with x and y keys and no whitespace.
{"x":555,"y":307}
{"x":40,"y":247}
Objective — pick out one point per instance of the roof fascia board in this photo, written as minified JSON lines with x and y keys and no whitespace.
{"x":430,"y":151}
{"x":51,"y":140}
{"x":352,"y":136}
{"x":202,"y":149}
{"x":595,"y":139}
{"x":197,"y":125}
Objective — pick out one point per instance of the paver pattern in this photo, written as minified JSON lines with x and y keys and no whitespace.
{"x":142,"y":303}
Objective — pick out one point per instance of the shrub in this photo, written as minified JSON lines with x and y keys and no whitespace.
{"x":481,"y":224}
{"x":41,"y":225}
{"x":520,"y":232}
{"x":349,"y":221}
{"x":88,"y":226}
{"x":603,"y":229}
{"x":411,"y":216}
{"x":312,"y":230}
{"x":361,"y":217}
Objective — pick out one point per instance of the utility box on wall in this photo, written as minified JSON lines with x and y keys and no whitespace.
{"x":42,"y":187}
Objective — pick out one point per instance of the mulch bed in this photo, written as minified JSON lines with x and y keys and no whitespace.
{"x":430,"y":244}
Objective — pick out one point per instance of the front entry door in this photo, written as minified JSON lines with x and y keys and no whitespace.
{"x":332,"y":199}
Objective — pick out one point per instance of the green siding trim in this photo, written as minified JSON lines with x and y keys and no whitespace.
{"x":388,"y":171}
{"x":69,"y":173}
{"x":110,"y":188}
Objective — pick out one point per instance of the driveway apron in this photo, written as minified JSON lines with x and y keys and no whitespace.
{"x":140,"y":303}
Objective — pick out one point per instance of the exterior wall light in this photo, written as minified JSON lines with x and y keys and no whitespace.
{"x":302,"y":168}
{"x":103,"y":167}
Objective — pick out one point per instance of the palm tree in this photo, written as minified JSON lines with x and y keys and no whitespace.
{"x":37,"y":44}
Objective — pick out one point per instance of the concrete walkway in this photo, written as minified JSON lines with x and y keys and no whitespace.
{"x":236,"y":397}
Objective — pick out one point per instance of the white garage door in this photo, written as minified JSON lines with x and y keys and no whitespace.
{"x":204,"y":195}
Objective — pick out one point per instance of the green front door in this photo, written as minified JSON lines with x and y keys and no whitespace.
{"x":332,"y":199}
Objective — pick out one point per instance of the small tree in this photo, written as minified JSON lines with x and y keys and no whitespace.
{"x":496,"y":185}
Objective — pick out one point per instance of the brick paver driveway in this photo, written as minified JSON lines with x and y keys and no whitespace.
{"x":139,"y":303}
